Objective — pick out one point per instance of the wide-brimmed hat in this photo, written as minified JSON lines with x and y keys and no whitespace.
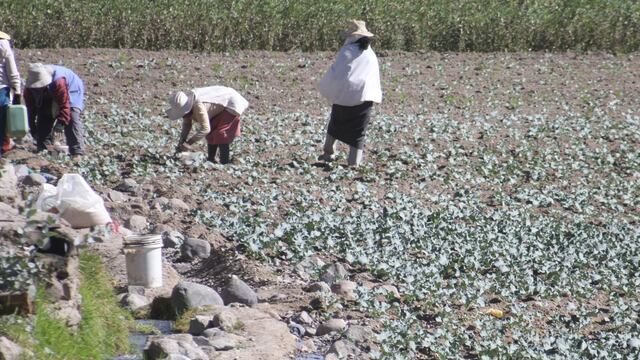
{"x":357,"y":27}
{"x":181,"y":103}
{"x":39,"y":75}
{"x":4,"y":36}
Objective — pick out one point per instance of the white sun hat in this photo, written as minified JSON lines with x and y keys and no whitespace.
{"x":4,"y":36}
{"x":181,"y":103}
{"x":357,"y":27}
{"x":39,"y":75}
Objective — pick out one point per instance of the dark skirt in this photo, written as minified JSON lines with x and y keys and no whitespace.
{"x":349,"y":123}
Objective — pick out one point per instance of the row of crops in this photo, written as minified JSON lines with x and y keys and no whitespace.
{"x":308,"y":25}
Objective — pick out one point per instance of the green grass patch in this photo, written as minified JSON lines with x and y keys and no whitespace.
{"x":103,"y":330}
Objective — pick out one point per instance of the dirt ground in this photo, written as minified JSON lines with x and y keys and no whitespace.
{"x":458,"y":86}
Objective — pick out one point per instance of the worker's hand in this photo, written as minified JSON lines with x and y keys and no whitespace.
{"x":185,"y":147}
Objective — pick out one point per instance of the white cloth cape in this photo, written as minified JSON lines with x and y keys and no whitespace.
{"x":221,"y":95}
{"x":353,"y":78}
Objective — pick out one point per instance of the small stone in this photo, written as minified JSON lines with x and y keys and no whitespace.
{"x":310,"y":331}
{"x":177,"y":204}
{"x":34,"y":179}
{"x":344,"y":349}
{"x":198,"y":324}
{"x":9,"y":350}
{"x":188,"y":295}
{"x":304,"y":318}
{"x":345,"y":289}
{"x":332,"y":325}
{"x":225,"y":321}
{"x":634,"y":343}
{"x":195,"y":248}
{"x":172,"y":239}
{"x":116,"y":196}
{"x":137,"y":224}
{"x":8,"y":182}
{"x":334,"y":273}
{"x":160,"y":347}
{"x":160,"y":203}
{"x":319,"y":286}
{"x":127,"y":185}
{"x":238,"y":291}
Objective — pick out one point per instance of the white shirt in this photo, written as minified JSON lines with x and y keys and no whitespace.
{"x":221,"y":95}
{"x":9,"y":75}
{"x":353,"y":78}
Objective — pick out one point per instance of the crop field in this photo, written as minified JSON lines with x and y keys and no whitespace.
{"x":309,"y":25}
{"x":505,"y":182}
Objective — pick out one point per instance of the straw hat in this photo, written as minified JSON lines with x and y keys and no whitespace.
{"x":39,"y":75}
{"x":4,"y":36}
{"x":181,"y":103}
{"x":357,"y":27}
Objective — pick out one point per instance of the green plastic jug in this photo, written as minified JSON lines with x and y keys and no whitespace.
{"x":17,"y":123}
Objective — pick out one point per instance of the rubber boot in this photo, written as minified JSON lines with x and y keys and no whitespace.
{"x":224,"y":153}
{"x":211,"y":150}
{"x":355,"y":156}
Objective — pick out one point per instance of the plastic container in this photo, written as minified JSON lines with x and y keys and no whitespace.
{"x":17,"y":121}
{"x":143,"y":255}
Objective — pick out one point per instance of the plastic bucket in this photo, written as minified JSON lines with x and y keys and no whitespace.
{"x":143,"y":255}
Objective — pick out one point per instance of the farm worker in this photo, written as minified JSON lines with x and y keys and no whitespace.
{"x":352,"y":85}
{"x":216,"y":112}
{"x":9,"y":81}
{"x":55,"y":98}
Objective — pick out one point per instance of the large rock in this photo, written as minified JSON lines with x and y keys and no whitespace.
{"x":237,"y":291}
{"x":332,"y":325}
{"x":334,"y":273}
{"x":8,"y":182}
{"x":160,"y":347}
{"x":187,"y":295}
{"x":226,"y":321}
{"x":263,"y":337}
{"x":195,"y":248}
{"x":134,"y":302}
{"x":360,"y":334}
{"x":9,"y":350}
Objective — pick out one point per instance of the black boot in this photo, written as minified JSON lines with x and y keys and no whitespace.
{"x":224,"y":153}
{"x":212,"y":149}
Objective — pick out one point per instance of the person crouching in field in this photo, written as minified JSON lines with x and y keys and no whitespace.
{"x":9,"y":81}
{"x":352,"y":85}
{"x":216,"y":112}
{"x":55,"y":98}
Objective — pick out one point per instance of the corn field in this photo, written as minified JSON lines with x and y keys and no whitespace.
{"x":310,"y":25}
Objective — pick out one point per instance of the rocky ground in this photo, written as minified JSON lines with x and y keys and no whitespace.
{"x":287,"y":307}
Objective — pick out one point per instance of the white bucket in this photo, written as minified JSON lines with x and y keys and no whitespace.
{"x":143,"y":254}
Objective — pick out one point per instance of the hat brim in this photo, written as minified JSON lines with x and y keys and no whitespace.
{"x":39,"y":83}
{"x":176,"y":113}
{"x":362,"y":33}
{"x":4,"y":36}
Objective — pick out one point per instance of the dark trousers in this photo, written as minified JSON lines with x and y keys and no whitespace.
{"x":73,"y":132}
{"x":224,"y":153}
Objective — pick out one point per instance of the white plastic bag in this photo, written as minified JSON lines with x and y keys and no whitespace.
{"x":75,"y":201}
